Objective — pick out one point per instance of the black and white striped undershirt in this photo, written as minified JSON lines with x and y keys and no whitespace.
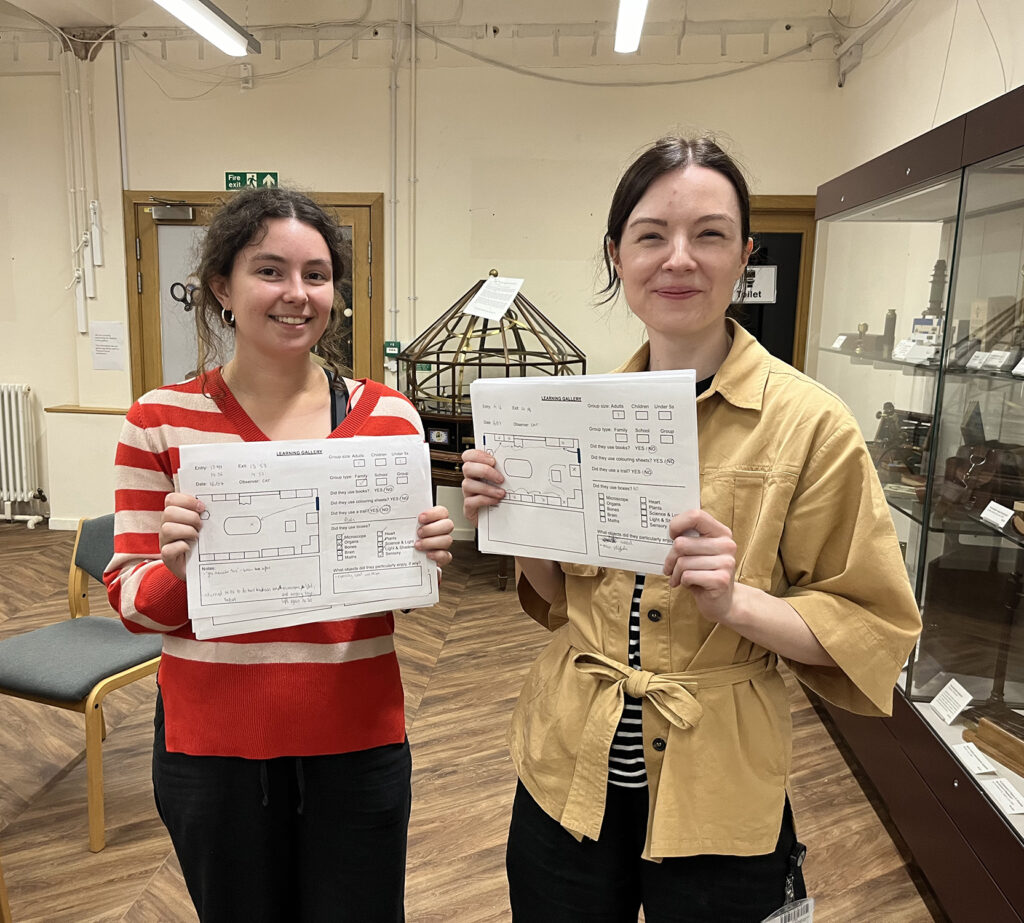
{"x":626,"y":767}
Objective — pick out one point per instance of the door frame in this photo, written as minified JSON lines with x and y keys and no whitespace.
{"x":789,"y":214}
{"x":143,"y":281}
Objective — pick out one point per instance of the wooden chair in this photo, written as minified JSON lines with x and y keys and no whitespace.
{"x":73,"y":664}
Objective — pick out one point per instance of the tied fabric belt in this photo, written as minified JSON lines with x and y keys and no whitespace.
{"x":674,"y":695}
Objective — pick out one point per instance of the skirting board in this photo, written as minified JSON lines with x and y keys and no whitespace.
{"x":63,"y":525}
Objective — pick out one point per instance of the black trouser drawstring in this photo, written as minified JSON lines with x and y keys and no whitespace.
{"x":300,"y":781}
{"x":300,"y":784}
{"x":264,"y":782}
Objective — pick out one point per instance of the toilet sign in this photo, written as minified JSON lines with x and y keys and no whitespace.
{"x":757,"y":285}
{"x":253,"y":180}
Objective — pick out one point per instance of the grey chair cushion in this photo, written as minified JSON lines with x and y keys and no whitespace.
{"x":96,"y":545}
{"x":66,"y":660}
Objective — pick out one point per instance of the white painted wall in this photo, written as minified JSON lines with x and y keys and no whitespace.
{"x":513,"y":172}
{"x":908,"y":83}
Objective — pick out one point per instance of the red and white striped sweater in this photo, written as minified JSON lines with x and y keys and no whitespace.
{"x":329,"y":687}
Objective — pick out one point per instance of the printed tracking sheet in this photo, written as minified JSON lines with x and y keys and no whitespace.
{"x":595,"y":466}
{"x":306,"y":531}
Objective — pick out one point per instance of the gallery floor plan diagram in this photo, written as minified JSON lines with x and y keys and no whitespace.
{"x":594,"y":467}
{"x":306,"y":530}
{"x":259,"y":526}
{"x":276,"y":530}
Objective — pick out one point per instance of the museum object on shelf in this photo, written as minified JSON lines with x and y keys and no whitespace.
{"x":900,"y":442}
{"x":928,"y":241}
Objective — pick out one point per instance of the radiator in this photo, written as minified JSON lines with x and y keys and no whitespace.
{"x":19,"y":478}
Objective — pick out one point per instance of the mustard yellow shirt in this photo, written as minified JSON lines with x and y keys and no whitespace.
{"x":784,"y":465}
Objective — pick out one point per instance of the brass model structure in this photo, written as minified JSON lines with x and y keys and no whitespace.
{"x":438,"y":367}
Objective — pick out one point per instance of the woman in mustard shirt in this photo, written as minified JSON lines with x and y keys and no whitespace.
{"x":652,"y":737}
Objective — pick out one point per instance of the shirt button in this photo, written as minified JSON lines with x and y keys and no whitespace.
{"x":658,"y":743}
{"x":654,"y":615}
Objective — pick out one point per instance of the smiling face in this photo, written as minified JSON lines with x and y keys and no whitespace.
{"x":280,"y":291}
{"x":681,"y":253}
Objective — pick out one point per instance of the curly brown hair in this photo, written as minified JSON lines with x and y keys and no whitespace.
{"x":241,"y":221}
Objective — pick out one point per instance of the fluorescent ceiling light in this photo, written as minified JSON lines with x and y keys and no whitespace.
{"x":213,"y":24}
{"x":629,"y":25}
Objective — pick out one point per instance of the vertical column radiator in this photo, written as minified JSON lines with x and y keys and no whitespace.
{"x":19,"y":477}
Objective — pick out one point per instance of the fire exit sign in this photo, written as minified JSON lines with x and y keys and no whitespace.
{"x":254,"y":180}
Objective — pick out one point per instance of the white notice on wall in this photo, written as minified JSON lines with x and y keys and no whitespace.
{"x":950,"y":701}
{"x":107,"y":338}
{"x":757,"y":285}
{"x":494,"y":297}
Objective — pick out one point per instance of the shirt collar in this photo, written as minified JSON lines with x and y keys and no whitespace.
{"x":740,"y":380}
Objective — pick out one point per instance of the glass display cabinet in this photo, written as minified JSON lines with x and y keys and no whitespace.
{"x":917,"y":322}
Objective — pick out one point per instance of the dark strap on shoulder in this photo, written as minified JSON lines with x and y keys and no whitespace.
{"x":339,"y":399}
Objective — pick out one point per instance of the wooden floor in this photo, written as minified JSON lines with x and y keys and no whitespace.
{"x":463,"y":662}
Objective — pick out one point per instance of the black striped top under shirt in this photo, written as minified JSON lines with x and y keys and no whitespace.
{"x":626,"y":766}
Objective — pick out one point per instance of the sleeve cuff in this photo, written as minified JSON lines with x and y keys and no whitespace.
{"x":551,"y":615}
{"x":163,"y":598}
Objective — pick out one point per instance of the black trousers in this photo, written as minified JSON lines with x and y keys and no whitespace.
{"x":553,"y":877}
{"x":292,"y":839}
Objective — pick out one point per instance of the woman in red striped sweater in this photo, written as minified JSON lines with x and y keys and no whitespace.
{"x":281,"y":766}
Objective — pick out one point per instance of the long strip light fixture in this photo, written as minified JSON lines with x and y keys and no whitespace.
{"x":213,"y":24}
{"x":629,"y":25}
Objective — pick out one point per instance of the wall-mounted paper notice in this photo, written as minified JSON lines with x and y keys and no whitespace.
{"x":107,"y":338}
{"x":494,"y":297}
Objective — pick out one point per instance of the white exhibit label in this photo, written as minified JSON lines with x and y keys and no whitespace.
{"x":306,"y":531}
{"x":595,"y":466}
{"x":837,"y":343}
{"x":998,"y":359}
{"x":995,"y":514}
{"x":919,"y":353}
{"x":1004,"y":795}
{"x":494,"y":297}
{"x":902,"y":349}
{"x":950,"y":701}
{"x":973,"y":759}
{"x":978,"y":360}
{"x":1018,"y":369}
